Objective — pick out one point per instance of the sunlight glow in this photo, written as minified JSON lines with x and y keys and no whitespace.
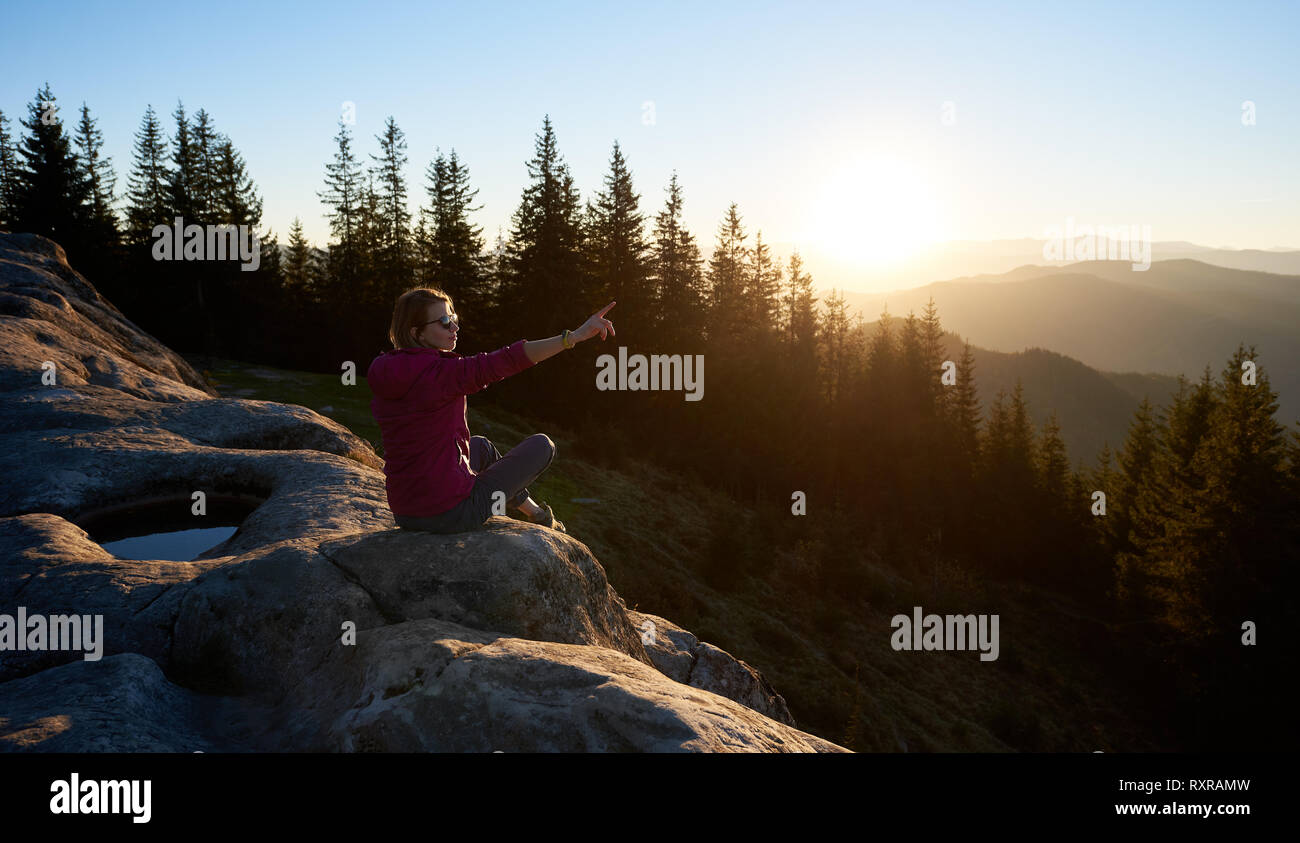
{"x":874,"y":212}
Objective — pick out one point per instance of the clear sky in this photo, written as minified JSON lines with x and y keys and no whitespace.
{"x":843,"y":129}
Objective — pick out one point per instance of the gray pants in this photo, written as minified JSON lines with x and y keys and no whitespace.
{"x":510,"y":475}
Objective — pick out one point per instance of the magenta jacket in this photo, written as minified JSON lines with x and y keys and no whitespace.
{"x":419,"y":402}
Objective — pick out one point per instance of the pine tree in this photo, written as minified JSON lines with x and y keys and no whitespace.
{"x":932,"y":356}
{"x":1009,"y":486}
{"x":1223,"y":551}
{"x":236,"y":198}
{"x":545,"y":264}
{"x":1097,"y":531}
{"x":53,"y":196}
{"x":298,"y":264}
{"x":917,"y":438}
{"x":799,"y":303}
{"x":797,"y":376}
{"x":996,"y":446}
{"x":764,"y":297}
{"x":790,"y":391}
{"x":427,"y":252}
{"x":1189,"y":421}
{"x":882,"y":354}
{"x":270,"y":270}
{"x":147,"y":198}
{"x":1053,"y":468}
{"x":587,"y":239}
{"x":183,"y":174}
{"x":917,"y":382}
{"x":393,"y":257}
{"x":97,"y":169}
{"x":1243,"y":511}
{"x":616,"y":247}
{"x":964,"y":408}
{"x":841,"y":356}
{"x":206,"y":146}
{"x":1021,"y":453}
{"x":422,"y":252}
{"x":680,"y":297}
{"x":1161,"y":507}
{"x":1137,"y":469}
{"x":751,"y":398}
{"x":343,"y":197}
{"x":369,"y":237}
{"x":8,"y":175}
{"x":453,"y":251}
{"x":496,"y":266}
{"x":956,"y":460}
{"x":728,"y":273}
{"x":997,"y":521}
{"x":837,"y":349}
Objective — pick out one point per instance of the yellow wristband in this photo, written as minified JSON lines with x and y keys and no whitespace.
{"x":564,"y":339}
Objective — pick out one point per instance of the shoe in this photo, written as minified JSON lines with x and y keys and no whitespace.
{"x":547,"y":518}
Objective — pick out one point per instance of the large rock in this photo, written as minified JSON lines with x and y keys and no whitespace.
{"x":318,"y":624}
{"x":434,"y":686}
{"x":58,"y":316}
{"x":121,"y":703}
{"x":513,"y":579}
{"x":261,"y":623}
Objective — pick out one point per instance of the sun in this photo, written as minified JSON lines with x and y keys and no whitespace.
{"x":873,"y":212}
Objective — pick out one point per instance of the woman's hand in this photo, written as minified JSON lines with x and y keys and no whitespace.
{"x":597,"y":324}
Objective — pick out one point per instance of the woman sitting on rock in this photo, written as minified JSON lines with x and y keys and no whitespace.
{"x":438,"y":477}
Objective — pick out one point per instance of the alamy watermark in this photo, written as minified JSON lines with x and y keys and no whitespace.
{"x":194,"y":242}
{"x":92,"y":796}
{"x":658,"y":371}
{"x":1101,"y":242}
{"x":946,"y":632}
{"x":57,"y":632}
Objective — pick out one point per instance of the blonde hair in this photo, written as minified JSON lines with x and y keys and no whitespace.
{"x":410,"y":310}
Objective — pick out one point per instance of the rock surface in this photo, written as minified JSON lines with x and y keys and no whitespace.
{"x":508,"y":637}
{"x":118,"y":704}
{"x":435,"y":686}
{"x":683,"y":657}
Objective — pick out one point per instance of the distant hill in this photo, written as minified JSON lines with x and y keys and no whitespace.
{"x":1155,"y":387}
{"x":954,"y":259}
{"x":1191,"y":277}
{"x":1177,"y":317}
{"x":1093,"y":408}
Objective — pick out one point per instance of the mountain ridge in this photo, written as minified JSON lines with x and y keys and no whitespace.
{"x":1120,"y":326}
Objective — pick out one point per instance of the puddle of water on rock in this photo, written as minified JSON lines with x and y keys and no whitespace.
{"x":162,"y":527}
{"x":176,"y":546}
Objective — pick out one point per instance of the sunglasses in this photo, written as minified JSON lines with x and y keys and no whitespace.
{"x":444,"y":321}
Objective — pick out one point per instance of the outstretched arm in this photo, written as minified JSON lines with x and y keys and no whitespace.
{"x":539,"y":350}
